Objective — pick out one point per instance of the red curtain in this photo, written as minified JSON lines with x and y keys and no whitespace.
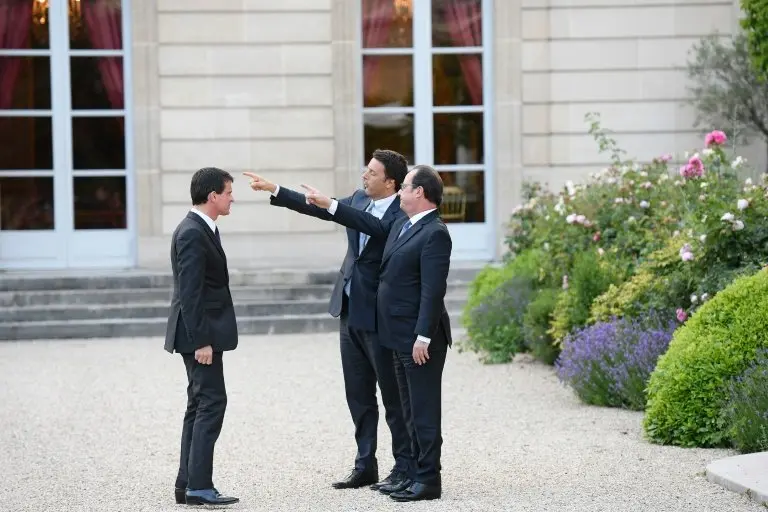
{"x":103,"y":24}
{"x":15,"y":25}
{"x":377,"y":19}
{"x":464,"y":21}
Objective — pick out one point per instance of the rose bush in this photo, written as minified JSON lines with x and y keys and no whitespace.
{"x":665,"y":236}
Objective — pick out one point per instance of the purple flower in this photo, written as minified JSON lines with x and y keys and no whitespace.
{"x":609,"y":363}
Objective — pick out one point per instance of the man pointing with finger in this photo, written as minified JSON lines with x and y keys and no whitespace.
{"x":364,"y":361}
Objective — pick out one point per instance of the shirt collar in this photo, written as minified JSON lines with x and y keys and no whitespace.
{"x":207,"y":219}
{"x":383,"y":204}
{"x":416,"y":218}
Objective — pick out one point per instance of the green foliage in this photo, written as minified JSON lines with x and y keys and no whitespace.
{"x":662,"y":283}
{"x":536,"y":326}
{"x":755,"y":23}
{"x":498,"y":300}
{"x":687,"y":390}
{"x":590,"y":277}
{"x":747,"y":408}
{"x":725,"y":88}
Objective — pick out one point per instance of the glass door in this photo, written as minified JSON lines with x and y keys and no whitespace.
{"x":97,"y":131}
{"x":425,"y":88}
{"x":30,"y":234}
{"x":64,"y":185}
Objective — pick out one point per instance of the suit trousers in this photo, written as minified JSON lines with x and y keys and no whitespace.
{"x":421,"y":396}
{"x":364,"y":362}
{"x":206,"y":404}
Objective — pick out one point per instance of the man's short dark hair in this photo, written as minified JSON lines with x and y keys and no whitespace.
{"x":395,"y":165}
{"x":428,"y":179}
{"x":207,"y":180}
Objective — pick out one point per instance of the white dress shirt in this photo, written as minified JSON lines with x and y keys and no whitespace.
{"x":207,"y":219}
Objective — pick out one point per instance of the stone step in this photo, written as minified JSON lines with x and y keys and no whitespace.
{"x":143,"y":327}
{"x":282,"y":292}
{"x":243,"y":308}
{"x":133,"y":279}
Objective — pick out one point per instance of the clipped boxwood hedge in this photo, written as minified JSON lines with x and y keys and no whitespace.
{"x":687,"y":390}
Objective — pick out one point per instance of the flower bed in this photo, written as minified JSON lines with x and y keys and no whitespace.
{"x":602,"y":255}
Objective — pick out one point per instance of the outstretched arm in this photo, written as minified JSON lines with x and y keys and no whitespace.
{"x":287,"y":198}
{"x":346,"y":215}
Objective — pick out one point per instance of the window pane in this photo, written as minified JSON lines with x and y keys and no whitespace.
{"x":26,"y":203}
{"x":463,"y":196}
{"x":95,"y":25}
{"x":99,"y":202}
{"x":25,"y":83}
{"x":26,"y":25}
{"x":387,"y":23}
{"x":457,"y":79}
{"x":459,"y":139}
{"x":388,"y":131}
{"x":32,"y":147}
{"x":98,"y":143}
{"x":97,"y":83}
{"x":457,"y":23}
{"x":388,"y":81}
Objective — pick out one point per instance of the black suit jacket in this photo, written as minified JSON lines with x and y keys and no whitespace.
{"x":362,"y":268}
{"x":413,"y":279}
{"x":202,"y":312}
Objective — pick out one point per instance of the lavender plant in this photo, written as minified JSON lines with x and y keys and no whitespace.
{"x":747,"y":408}
{"x":609,"y":363}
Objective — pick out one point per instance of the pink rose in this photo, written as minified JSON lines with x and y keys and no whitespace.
{"x":715,"y":137}
{"x":666,"y":158}
{"x":681,"y":315}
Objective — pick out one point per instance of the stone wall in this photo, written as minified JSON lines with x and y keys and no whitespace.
{"x":624,"y":59}
{"x":241,"y":85}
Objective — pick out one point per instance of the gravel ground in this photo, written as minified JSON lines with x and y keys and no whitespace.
{"x":94,"y":425}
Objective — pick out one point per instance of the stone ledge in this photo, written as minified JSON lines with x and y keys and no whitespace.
{"x":743,"y":474}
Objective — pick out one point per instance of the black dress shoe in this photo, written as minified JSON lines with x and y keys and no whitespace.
{"x":208,"y":497}
{"x":358,"y":478}
{"x":395,"y":478}
{"x":180,"y":495}
{"x":417,"y":492}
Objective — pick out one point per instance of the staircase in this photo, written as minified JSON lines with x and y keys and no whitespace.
{"x":135,"y":303}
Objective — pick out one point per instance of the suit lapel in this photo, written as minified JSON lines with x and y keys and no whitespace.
{"x":393,"y":208}
{"x":394,"y":243}
{"x":195,"y":217}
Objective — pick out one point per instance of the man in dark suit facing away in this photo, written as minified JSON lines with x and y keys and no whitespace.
{"x":364,"y":361}
{"x":201,"y":327}
{"x":411,"y":315}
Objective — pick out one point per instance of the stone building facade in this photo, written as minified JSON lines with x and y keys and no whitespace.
{"x":493,"y":92}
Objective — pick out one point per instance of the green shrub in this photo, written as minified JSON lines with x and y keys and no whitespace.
{"x":591,"y":276}
{"x":499,"y":298}
{"x":686,"y":390}
{"x":747,"y":409}
{"x":755,"y":24}
{"x":536,"y":326}
{"x":663,"y":282}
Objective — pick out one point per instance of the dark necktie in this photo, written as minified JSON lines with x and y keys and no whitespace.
{"x":406,"y":227}
{"x":218,"y":236}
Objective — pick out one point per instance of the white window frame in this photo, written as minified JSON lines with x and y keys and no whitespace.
{"x":471,"y":241}
{"x":65,"y":247}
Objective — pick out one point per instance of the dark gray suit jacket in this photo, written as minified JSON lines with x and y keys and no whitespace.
{"x":362,"y":268}
{"x":413,"y":278}
{"x":202,"y":312}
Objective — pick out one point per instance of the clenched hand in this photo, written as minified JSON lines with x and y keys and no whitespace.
{"x":204,"y":355}
{"x":420,"y":352}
